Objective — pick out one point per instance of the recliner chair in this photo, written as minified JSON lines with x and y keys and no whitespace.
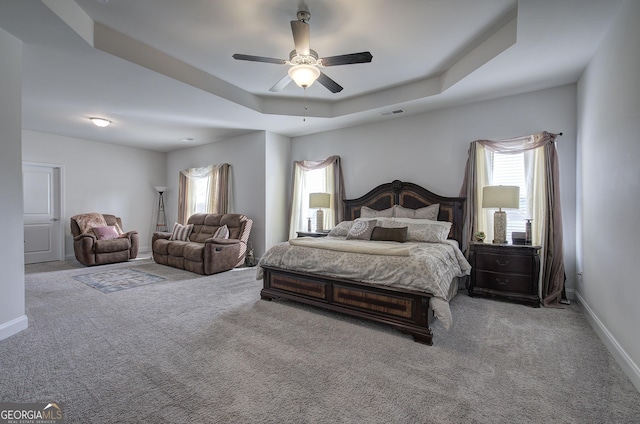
{"x":98,"y":249}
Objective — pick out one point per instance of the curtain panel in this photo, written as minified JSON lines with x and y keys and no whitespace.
{"x":218,"y":190}
{"x":540,"y":153}
{"x":334,"y":186}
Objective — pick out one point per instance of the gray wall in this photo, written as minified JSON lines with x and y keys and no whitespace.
{"x":103,"y":178}
{"x":430,"y":149}
{"x":277,"y":187}
{"x":12,"y":303}
{"x":609,"y":194}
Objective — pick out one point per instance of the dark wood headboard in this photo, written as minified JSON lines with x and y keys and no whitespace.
{"x":410,"y":196}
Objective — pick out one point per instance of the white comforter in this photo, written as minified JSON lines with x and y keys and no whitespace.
{"x":429,"y":267}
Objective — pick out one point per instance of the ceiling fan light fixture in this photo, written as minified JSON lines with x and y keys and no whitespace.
{"x":100,"y":122}
{"x":304,"y":75}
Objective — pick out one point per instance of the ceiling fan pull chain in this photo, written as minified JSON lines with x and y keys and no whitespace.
{"x":304,"y":116}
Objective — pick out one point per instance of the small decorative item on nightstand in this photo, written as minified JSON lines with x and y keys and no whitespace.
{"x":507,"y":271}
{"x":479,"y":236}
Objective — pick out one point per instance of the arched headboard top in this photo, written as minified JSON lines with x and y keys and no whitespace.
{"x":411,"y":196}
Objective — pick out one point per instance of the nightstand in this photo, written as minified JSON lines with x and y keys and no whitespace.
{"x":505,"y":270}
{"x":311,"y":234}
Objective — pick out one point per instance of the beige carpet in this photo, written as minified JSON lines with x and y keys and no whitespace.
{"x":208,"y":350}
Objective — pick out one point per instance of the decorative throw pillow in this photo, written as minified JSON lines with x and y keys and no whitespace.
{"x":222,"y":233}
{"x":428,"y":212}
{"x":422,"y":229}
{"x":181,"y":232}
{"x":390,"y":234}
{"x":106,"y":233}
{"x":366,"y":212}
{"x":361,"y":230}
{"x":341,"y":230}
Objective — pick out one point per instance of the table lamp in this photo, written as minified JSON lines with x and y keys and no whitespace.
{"x":319,"y":200}
{"x":500,"y":197}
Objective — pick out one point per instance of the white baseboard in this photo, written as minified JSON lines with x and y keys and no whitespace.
{"x":14,"y":326}
{"x":629,"y":367}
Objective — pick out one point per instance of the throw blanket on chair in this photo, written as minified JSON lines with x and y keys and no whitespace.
{"x":87,"y":221}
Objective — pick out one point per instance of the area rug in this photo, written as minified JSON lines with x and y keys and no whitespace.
{"x":118,"y":279}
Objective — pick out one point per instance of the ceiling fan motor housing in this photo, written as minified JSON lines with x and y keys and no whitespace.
{"x":304,"y":16}
{"x":300,"y":59}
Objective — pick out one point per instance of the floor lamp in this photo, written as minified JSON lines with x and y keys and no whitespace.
{"x":319,"y":200}
{"x":500,"y":197}
{"x":161,"y":220}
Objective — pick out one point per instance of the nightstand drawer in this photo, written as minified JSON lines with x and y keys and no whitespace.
{"x":504,"y":263}
{"x":513,"y":283}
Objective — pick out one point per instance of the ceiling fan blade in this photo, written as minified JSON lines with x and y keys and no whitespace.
{"x":347,"y":59}
{"x":284,"y":81}
{"x":300,"y":36}
{"x":250,"y":58}
{"x":330,"y":84}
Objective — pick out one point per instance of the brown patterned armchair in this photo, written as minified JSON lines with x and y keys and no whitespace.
{"x":98,"y":239}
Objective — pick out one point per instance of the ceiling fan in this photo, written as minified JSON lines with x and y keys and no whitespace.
{"x":304,"y":61}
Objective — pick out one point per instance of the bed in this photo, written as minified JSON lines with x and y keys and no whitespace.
{"x":407,"y":308}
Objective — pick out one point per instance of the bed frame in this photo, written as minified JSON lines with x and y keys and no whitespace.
{"x":406,"y":310}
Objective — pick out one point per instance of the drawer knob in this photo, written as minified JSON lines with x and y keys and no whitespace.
{"x":502,"y":283}
{"x":505,"y":263}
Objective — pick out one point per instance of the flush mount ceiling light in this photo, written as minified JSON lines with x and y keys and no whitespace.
{"x":100,"y":122}
{"x":304,"y":75}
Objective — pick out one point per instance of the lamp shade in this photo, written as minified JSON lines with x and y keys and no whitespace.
{"x":319,"y":200}
{"x":160,"y":189}
{"x":304,"y":75}
{"x":501,"y":197}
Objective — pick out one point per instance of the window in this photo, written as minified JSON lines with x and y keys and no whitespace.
{"x":314,"y":181}
{"x":509,"y":170}
{"x":315,"y":177}
{"x":516,"y":166}
{"x":204,"y":190}
{"x":200,"y":195}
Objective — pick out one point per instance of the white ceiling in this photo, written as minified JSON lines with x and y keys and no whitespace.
{"x":162,"y":71}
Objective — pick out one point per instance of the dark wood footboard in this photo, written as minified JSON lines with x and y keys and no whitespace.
{"x":407,"y":311}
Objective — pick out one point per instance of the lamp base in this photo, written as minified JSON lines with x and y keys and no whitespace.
{"x":500,"y":227}
{"x":319,"y":220}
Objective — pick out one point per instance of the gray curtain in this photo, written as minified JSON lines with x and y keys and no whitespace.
{"x":553,"y":262}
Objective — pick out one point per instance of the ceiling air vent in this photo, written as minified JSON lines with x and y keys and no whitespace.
{"x":392,"y":112}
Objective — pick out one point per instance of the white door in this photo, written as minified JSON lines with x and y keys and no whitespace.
{"x":42,"y":226}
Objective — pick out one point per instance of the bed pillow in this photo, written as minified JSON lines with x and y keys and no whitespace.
{"x":422,"y":229}
{"x":222,"y":232}
{"x":361,"y":230}
{"x":341,"y":230}
{"x":181,"y":232}
{"x":107,"y":232}
{"x":428,"y":212}
{"x":366,"y":212}
{"x":390,"y":234}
